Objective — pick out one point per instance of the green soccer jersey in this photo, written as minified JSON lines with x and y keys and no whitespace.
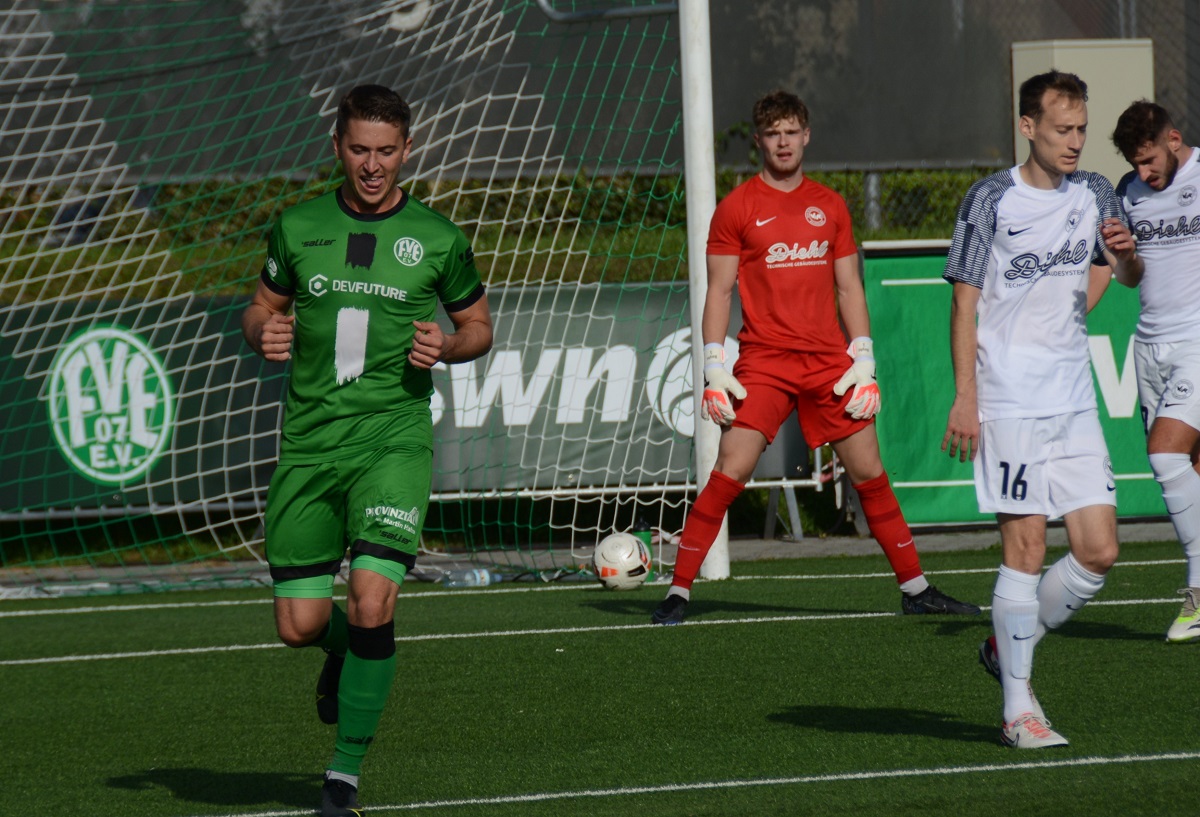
{"x":358,"y":283}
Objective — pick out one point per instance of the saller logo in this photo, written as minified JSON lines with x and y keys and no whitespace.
{"x":111,"y":404}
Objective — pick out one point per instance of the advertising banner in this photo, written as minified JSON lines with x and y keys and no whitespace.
{"x":138,"y":405}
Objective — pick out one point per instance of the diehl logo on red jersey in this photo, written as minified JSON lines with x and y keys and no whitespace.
{"x":783,"y":252}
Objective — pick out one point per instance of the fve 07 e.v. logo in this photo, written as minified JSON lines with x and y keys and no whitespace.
{"x":111,"y":404}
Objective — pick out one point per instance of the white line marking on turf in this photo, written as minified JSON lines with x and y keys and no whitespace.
{"x":591,"y":588}
{"x":843,"y":777}
{"x":713,"y":622}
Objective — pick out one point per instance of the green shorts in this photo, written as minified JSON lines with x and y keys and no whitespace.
{"x":372,"y":503}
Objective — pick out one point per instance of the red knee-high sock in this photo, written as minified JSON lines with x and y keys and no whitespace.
{"x":887,"y":525}
{"x":702,"y":526}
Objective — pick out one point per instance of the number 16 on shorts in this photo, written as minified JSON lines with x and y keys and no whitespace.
{"x":1043,"y":465}
{"x":1013,"y":484}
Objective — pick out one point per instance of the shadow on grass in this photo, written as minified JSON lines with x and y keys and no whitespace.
{"x":886,"y":721}
{"x":643,"y":606}
{"x":1108,"y":631}
{"x":953,"y":625}
{"x":228,"y":788}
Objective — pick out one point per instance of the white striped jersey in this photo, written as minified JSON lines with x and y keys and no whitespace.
{"x":1030,"y":252}
{"x":1166,"y":224}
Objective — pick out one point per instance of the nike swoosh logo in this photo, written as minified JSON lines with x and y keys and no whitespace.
{"x":1171,"y":405}
{"x":1022,"y":638}
{"x":1111,"y":488}
{"x":1069,"y":607}
{"x":905,"y":544}
{"x":1011,"y":231}
{"x":761,"y":222}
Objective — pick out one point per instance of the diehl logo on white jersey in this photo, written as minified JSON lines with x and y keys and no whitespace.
{"x":1027,"y":265}
{"x":783,"y":252}
{"x":1147,"y":231}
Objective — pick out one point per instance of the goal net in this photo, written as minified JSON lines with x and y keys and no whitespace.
{"x":146,"y":149}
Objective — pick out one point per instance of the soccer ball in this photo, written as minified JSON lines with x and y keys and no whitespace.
{"x":621,"y":561}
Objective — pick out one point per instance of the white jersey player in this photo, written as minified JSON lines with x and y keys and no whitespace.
{"x":1031,"y":255}
{"x":1161,"y":196}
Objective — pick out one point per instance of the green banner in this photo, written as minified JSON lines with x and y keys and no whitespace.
{"x":910,"y":319}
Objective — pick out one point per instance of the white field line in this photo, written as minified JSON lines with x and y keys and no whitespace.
{"x":800,"y":780}
{"x":590,"y":588}
{"x":406,"y":639}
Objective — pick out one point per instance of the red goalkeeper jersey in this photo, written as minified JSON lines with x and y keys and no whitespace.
{"x":786,"y":244}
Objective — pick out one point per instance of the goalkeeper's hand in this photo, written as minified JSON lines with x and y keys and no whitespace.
{"x":864,"y":400}
{"x":718,"y":385}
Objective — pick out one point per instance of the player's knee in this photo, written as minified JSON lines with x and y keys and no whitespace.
{"x":1099,"y":557}
{"x":370,"y":611}
{"x":295,"y":636}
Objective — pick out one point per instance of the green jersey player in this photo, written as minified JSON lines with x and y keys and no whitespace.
{"x":361,"y":270}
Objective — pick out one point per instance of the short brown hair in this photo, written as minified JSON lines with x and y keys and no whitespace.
{"x":778,"y":106}
{"x":1033,"y":89}
{"x":1143,"y":122}
{"x":373,"y":103}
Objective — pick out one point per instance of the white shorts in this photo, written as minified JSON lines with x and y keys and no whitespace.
{"x":1045,"y":465}
{"x":1167,"y":376}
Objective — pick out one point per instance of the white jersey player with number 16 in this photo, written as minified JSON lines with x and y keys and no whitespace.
{"x":1031,"y":255}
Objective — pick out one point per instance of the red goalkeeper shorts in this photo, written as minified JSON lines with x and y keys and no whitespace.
{"x":780,"y":380}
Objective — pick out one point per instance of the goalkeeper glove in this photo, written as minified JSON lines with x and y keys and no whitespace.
{"x":864,"y":400}
{"x":718,"y":385}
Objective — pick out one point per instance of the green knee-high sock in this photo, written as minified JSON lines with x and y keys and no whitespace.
{"x":366,"y":681}
{"x":337,"y":635}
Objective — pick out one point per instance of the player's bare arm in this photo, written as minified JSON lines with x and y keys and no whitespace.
{"x":865,"y":400}
{"x":719,"y":383}
{"x":471,"y":338}
{"x":1121,"y":251}
{"x":962,"y":427}
{"x":722,"y":278}
{"x":851,"y":297}
{"x":267,"y":327}
{"x":1098,"y":278}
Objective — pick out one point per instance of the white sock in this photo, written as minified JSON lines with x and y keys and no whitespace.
{"x":684,"y":592}
{"x":914,"y":586}
{"x":1015,"y":619}
{"x":1063,"y":591}
{"x":1181,"y":493}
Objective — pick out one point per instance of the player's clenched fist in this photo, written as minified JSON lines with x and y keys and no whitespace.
{"x":718,"y":385}
{"x":864,"y":400}
{"x":275,"y":339}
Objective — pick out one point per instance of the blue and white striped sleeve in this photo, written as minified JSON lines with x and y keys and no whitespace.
{"x":971,"y":247}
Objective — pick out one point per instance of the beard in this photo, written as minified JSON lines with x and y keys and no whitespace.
{"x":1171,"y":170}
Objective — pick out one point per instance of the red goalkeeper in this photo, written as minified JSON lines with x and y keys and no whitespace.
{"x":786,"y":243}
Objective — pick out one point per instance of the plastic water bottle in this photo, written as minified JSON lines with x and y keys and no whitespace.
{"x":476,"y":577}
{"x":641,"y":529}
